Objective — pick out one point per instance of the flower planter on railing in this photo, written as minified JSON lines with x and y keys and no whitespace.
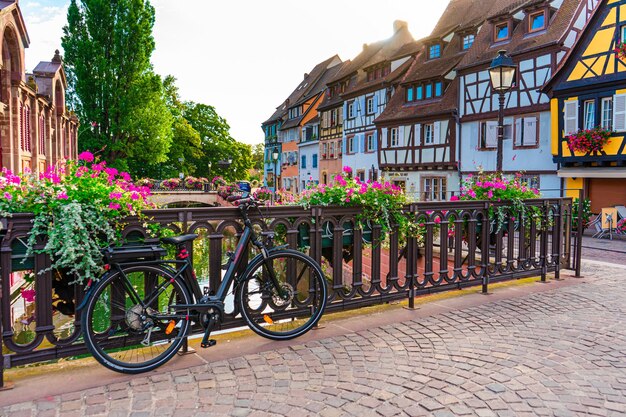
{"x":328,"y":235}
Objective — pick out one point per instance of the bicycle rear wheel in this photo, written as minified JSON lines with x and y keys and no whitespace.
{"x":291,"y":312}
{"x":128,"y":323}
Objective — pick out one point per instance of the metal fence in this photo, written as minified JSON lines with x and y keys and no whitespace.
{"x":459,"y":244}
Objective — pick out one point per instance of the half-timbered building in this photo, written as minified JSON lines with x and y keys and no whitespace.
{"x":418,"y":128}
{"x":284,"y":128}
{"x":36,"y":129}
{"x":587,"y":91}
{"x":368,"y":83}
{"x":536,"y":34}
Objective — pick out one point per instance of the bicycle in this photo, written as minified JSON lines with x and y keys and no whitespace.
{"x":138,"y":314}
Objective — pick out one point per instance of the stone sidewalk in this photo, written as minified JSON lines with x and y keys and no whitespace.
{"x":549,"y":349}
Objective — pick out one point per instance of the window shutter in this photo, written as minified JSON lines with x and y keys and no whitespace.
{"x":619,"y":112}
{"x":530,"y":131}
{"x":418,"y":135}
{"x":571,"y":117}
{"x":519,"y":132}
{"x":492,"y":134}
{"x":437,"y":133}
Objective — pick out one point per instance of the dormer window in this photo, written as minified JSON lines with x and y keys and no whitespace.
{"x":501,"y":32}
{"x":468,"y":41}
{"x":537,"y":21}
{"x":424,"y":91}
{"x":434,"y":51}
{"x":294,"y":112}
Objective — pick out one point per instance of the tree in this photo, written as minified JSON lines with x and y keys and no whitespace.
{"x":108,"y":44}
{"x":216,"y":143}
{"x":258,"y":156}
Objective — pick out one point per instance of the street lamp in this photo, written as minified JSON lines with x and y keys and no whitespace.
{"x":209,"y":165}
{"x":275,"y":159}
{"x":501,"y":72}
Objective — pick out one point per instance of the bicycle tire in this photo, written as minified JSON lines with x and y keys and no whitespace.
{"x":265,"y":312}
{"x":115,"y":325}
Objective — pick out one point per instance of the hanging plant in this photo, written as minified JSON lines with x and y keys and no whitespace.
{"x":589,"y":140}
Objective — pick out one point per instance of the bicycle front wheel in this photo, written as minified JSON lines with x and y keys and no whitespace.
{"x":129,"y":324}
{"x":291,"y":310}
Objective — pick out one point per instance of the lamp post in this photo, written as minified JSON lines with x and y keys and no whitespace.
{"x":208,"y":176}
{"x":181,"y":174}
{"x":501,"y":72}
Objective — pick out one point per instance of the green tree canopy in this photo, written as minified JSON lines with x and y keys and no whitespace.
{"x":108,"y":44}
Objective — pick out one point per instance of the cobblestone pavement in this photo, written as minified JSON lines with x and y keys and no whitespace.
{"x":561,"y":352}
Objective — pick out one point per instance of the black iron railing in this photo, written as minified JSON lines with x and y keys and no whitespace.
{"x":459,"y":245}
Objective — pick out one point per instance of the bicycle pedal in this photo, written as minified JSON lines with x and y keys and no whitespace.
{"x":211,"y":342}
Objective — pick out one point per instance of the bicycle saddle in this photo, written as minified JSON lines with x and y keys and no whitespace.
{"x":177,"y":240}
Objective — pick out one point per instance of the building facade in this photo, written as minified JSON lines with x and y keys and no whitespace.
{"x":419,"y":126}
{"x":537,"y":35}
{"x":587,"y":91}
{"x":308,"y":149}
{"x":288,"y":121}
{"x":36,"y":129}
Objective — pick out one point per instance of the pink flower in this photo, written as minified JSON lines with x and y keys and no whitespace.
{"x":454,"y":198}
{"x":8,"y":195}
{"x":86,"y":156}
{"x":437,"y":220}
{"x":125,"y":176}
{"x":114,"y":206}
{"x":134,"y":196}
{"x":115,"y":196}
{"x":98,"y":167}
{"x":347,"y":169}
{"x":28,"y":295}
{"x":111,"y":171}
{"x":62,"y":195}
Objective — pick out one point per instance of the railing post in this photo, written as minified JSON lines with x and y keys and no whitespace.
{"x":544,"y":241}
{"x":5,"y":261}
{"x":579,"y":233}
{"x":484,"y":255}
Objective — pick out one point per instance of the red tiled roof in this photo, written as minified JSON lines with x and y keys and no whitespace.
{"x":484,"y":50}
{"x":397,"y":109}
{"x":303,"y":88}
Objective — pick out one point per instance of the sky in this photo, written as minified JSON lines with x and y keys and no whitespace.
{"x":244,"y":57}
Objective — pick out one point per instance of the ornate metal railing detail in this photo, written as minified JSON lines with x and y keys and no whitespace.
{"x":459,"y":244}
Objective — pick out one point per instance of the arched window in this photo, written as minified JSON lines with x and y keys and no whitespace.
{"x":42,"y":135}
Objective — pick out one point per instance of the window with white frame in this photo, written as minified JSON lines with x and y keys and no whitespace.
{"x":526,"y":131}
{"x":332,"y":150}
{"x":429,"y":134}
{"x":324,"y":150}
{"x":350,"y":109}
{"x":434,"y":188}
{"x":623,"y":33}
{"x":590,"y":114}
{"x":360,"y":174}
{"x":468,"y":41}
{"x":369,"y":142}
{"x":369,"y":105}
{"x":393,"y":137}
{"x":340,"y":147}
{"x":607,"y":113}
{"x":350,"y":144}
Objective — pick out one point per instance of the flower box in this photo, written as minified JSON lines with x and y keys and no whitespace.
{"x":588,"y":140}
{"x":304,"y":238}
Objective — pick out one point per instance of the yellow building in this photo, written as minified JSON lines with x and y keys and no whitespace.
{"x":588,"y":91}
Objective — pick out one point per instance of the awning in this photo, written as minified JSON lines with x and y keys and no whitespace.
{"x":606,"y":172}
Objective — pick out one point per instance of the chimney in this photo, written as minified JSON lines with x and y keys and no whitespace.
{"x":306,"y":74}
{"x":399,"y":24}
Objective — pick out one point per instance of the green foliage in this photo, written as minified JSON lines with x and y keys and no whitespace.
{"x":78,"y":209}
{"x":585,"y":216}
{"x":118,"y":98}
{"x":258,"y":156}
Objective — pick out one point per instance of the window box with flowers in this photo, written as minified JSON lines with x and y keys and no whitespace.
{"x":587,"y":141}
{"x":620,"y":50}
